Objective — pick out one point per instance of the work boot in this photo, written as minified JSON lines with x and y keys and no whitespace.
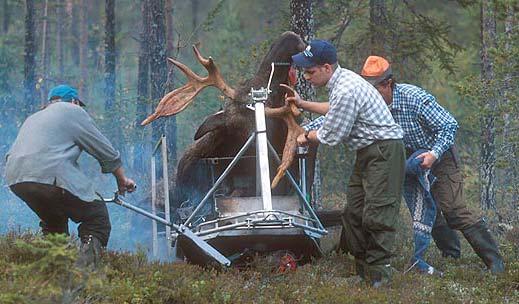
{"x":360,"y":268}
{"x":89,"y":252}
{"x":379,"y":275}
{"x":485,"y":246}
{"x":446,"y":239}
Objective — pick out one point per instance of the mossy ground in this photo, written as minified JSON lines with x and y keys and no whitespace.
{"x":41,"y":270}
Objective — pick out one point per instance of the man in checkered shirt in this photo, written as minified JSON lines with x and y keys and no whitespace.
{"x":427,"y":125}
{"x":357,"y":116}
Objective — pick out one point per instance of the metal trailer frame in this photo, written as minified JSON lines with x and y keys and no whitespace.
{"x":300,"y":227}
{"x":261,"y":227}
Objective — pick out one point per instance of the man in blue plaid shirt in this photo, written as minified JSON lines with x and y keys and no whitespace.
{"x":427,"y":125}
{"x":357,"y":116}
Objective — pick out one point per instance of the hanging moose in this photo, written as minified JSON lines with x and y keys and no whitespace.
{"x":222,"y":134}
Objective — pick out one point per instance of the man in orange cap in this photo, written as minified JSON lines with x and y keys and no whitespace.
{"x":427,"y":125}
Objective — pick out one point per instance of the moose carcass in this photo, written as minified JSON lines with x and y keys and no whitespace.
{"x":223,"y":133}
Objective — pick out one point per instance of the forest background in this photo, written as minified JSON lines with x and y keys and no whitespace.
{"x":463,"y":52}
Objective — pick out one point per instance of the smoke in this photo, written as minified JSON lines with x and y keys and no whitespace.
{"x":130,"y":231}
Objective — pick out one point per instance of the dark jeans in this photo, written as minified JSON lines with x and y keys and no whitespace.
{"x":54,"y":206}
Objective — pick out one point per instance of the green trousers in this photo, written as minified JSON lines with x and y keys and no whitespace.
{"x":374,"y":195}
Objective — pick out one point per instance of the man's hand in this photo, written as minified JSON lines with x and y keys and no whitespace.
{"x":428,"y":159}
{"x":123,"y":183}
{"x":292,"y":96}
{"x":126,"y":185}
{"x":302,"y":141}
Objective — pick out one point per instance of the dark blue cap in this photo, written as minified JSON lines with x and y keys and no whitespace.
{"x":318,"y":52}
{"x":65,"y":92}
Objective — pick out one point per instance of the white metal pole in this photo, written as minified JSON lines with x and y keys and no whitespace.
{"x":164,"y":149}
{"x":262,"y":154}
{"x":154,"y":236}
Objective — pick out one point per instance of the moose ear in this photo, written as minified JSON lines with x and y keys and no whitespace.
{"x":211,"y":123}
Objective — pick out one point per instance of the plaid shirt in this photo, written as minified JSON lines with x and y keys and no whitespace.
{"x":358,"y":115}
{"x":426,"y":124}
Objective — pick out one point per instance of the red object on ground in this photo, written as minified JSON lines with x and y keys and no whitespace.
{"x":287,"y":263}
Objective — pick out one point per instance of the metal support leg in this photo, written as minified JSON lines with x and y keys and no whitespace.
{"x":296,"y":186}
{"x":221,"y":178}
{"x":301,"y":152}
{"x":262,"y":154}
{"x":154,"y":233}
{"x":165,"y":179}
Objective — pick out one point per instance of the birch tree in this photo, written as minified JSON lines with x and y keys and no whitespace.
{"x":487,"y":171}
{"x":302,"y":23}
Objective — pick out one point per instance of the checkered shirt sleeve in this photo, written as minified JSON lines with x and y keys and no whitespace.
{"x":426,"y":124}
{"x":314,"y":124}
{"x":358,"y":115}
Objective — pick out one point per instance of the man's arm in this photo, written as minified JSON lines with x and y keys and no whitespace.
{"x":435,"y":118}
{"x":315,"y":107}
{"x":89,"y":138}
{"x":311,"y":106}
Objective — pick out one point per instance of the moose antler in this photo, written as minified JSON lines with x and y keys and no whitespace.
{"x":177,"y":100}
{"x":288,"y":114}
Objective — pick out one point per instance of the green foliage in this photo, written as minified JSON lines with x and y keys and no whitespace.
{"x":497,"y":99}
{"x":126,"y":278}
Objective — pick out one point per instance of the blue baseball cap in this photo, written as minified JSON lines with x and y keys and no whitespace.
{"x":318,"y":52}
{"x":65,"y":92}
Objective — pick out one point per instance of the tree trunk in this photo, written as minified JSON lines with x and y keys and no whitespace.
{"x":170,"y":126}
{"x":73,"y":12}
{"x":142,"y":152}
{"x":29,"y":59}
{"x":302,"y":23}
{"x":378,"y":23}
{"x":83,"y":47}
{"x":7,"y":19}
{"x":194,"y":18}
{"x":169,"y":27}
{"x":510,"y":117}
{"x":114,"y":122}
{"x":488,"y":132}
{"x":44,"y":53}
{"x":60,"y":25}
{"x":158,"y":65}
{"x":110,"y":56}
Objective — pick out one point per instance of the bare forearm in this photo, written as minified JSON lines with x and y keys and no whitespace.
{"x":315,"y":107}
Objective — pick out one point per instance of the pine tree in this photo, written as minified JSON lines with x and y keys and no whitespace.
{"x":29,"y":61}
{"x":142,"y":151}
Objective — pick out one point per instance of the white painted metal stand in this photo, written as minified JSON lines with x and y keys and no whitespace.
{"x":165,"y":179}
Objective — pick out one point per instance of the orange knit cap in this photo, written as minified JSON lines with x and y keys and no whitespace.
{"x":376,"y":69}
